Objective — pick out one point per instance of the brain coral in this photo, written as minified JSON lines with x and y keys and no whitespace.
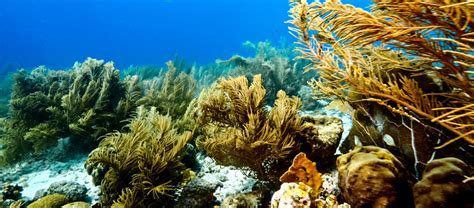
{"x":371,"y":176}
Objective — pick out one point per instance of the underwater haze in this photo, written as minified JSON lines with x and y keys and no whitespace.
{"x":57,"y":33}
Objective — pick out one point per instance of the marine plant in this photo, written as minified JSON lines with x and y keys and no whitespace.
{"x":275,"y":64}
{"x":239,"y":131}
{"x":409,"y":63}
{"x":143,"y":162}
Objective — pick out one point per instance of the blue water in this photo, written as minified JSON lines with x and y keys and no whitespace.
{"x":56,"y":33}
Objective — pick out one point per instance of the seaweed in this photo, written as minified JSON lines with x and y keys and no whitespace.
{"x":143,"y":162}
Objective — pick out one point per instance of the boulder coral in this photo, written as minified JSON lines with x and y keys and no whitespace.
{"x":371,"y":176}
{"x":442,"y":185}
{"x":50,"y":201}
{"x":292,"y":195}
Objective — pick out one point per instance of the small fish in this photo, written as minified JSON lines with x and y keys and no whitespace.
{"x":388,"y":140}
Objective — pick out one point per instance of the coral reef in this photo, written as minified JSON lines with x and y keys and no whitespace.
{"x":83,"y":104}
{"x":6,"y":82}
{"x":238,"y":131}
{"x":372,"y":176}
{"x":197,"y":193}
{"x":442,"y":185}
{"x":252,"y":199}
{"x":304,"y":171}
{"x":322,"y":135}
{"x":407,"y":64}
{"x":275,"y":64}
{"x":143,"y":163}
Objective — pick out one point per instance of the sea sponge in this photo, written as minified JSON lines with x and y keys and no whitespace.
{"x":50,"y":201}
{"x":304,"y":170}
{"x":371,"y":176}
{"x":292,"y":195}
{"x":320,"y":137}
{"x":442,"y":185}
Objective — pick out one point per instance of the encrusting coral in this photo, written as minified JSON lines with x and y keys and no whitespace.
{"x":371,"y":176}
{"x":292,"y":195}
{"x":442,"y":185}
{"x":409,"y":61}
{"x":143,"y":163}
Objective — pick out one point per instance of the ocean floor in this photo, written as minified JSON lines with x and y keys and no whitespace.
{"x":37,"y":176}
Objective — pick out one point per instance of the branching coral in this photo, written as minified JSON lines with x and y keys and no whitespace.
{"x":280,"y":71}
{"x":412,"y":57}
{"x":237,"y":129}
{"x":144,"y":163}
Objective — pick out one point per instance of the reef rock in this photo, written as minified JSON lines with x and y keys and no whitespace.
{"x":442,"y":185}
{"x":322,"y":134}
{"x":372,"y":177}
